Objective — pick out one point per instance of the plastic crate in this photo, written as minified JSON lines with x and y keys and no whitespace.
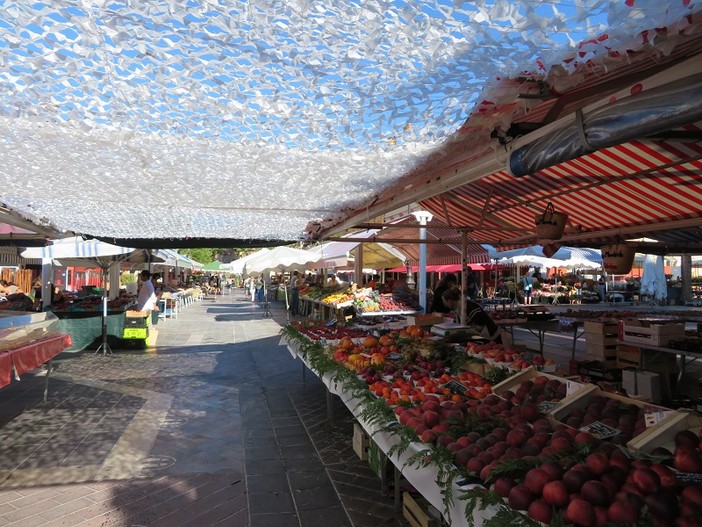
{"x":135,"y":333}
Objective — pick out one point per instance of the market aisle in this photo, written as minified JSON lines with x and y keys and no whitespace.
{"x":178,"y":436}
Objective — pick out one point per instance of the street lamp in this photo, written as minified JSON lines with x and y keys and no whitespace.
{"x":423,"y":217}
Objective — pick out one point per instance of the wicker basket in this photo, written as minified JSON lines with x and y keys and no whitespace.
{"x":551,"y":224}
{"x":617,"y":258}
{"x":550,"y":249}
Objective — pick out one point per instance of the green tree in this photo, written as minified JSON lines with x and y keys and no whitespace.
{"x":204,"y":255}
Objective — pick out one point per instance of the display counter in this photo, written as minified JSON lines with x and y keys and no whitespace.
{"x":85,"y":327}
{"x":28,"y":340}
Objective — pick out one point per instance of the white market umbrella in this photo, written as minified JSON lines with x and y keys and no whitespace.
{"x":280,"y":258}
{"x":238,"y":265}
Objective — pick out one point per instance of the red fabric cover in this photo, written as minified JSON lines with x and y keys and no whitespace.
{"x":31,"y":356}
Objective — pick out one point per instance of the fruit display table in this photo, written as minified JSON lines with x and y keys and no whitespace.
{"x":538,"y":328}
{"x":533,"y":448}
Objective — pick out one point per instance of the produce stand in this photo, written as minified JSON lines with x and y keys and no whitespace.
{"x":567,"y":414}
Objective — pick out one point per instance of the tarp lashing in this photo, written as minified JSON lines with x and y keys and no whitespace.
{"x":648,"y":113}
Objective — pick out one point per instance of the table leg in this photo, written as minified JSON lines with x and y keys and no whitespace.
{"x":398,"y":491}
{"x":49,"y":366}
{"x":330,"y":407}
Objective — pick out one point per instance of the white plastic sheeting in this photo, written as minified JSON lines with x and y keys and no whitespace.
{"x":251,"y":119}
{"x":653,"y":280}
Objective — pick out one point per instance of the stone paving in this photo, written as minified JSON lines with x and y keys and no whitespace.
{"x":216,"y":425}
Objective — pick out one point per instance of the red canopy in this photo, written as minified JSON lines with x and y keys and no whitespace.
{"x":453,"y":268}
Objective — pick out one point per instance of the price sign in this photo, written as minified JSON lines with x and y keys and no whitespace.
{"x":653,"y":417}
{"x":600,"y":430}
{"x":456,"y":387}
{"x":545,"y":406}
{"x":686,"y":478}
{"x":572,"y":387}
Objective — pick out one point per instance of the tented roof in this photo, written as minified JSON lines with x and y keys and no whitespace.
{"x":262,"y":121}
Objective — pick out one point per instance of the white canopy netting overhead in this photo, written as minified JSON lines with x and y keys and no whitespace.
{"x":233,"y":119}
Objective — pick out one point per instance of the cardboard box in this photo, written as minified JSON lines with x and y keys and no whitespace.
{"x":645,"y":384}
{"x":424,"y":320}
{"x":361,"y":442}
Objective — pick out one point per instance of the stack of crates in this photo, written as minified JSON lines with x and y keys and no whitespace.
{"x":136,"y":325}
{"x":601,"y":342}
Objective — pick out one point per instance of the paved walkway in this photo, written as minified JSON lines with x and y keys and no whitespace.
{"x":215,"y":426}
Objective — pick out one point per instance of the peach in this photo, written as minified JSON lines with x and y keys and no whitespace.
{"x":535,"y":480}
{"x":595,"y":492}
{"x":555,"y":493}
{"x":540,"y":511}
{"x":580,"y":512}
{"x":503,"y":485}
{"x":597,"y":462}
{"x":520,"y":498}
{"x":623,"y":512}
{"x":646,"y":480}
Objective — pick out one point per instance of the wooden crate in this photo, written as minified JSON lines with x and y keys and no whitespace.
{"x":654,"y":334}
{"x":416,"y":511}
{"x":628,"y":356}
{"x":662,"y":434}
{"x":592,"y":327}
{"x":524,"y":375}
{"x":600,"y":351}
{"x":600,"y":339}
{"x":582,"y":398}
{"x":361,"y":441}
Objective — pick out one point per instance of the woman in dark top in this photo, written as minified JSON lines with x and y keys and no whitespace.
{"x":437,"y":303}
{"x":475,"y":316}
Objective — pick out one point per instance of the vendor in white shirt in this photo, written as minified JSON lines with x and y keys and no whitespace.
{"x":146,"y":300}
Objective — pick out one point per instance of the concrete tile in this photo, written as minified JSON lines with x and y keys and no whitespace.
{"x":270,"y":502}
{"x":266,"y":483}
{"x":274,"y":520}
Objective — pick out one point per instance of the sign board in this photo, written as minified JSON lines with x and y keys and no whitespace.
{"x":600,"y":430}
{"x":456,"y":387}
{"x":545,"y":406}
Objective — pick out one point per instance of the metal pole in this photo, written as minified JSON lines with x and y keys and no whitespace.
{"x":423,"y":267}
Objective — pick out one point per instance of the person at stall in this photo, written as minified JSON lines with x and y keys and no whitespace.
{"x":259,"y":288}
{"x":471,"y":285}
{"x":603,"y":288}
{"x":528,"y":283}
{"x":146,"y":299}
{"x":448,"y":281}
{"x":295,"y":285}
{"x":475,"y":315}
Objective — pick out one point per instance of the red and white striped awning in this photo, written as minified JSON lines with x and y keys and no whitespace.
{"x":630,"y":190}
